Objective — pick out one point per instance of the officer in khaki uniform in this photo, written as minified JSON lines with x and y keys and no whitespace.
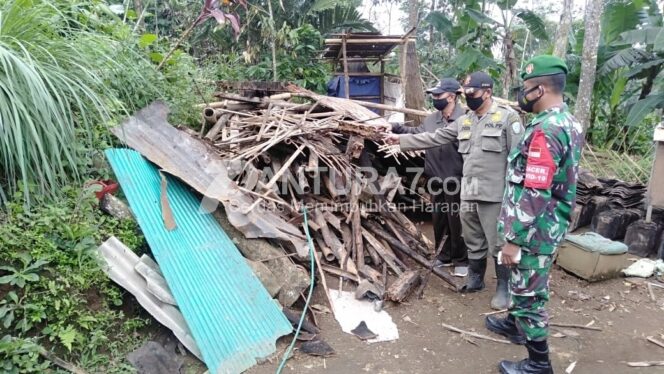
{"x":486,"y":135}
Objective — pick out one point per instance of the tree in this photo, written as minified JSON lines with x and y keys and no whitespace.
{"x":562,"y":32}
{"x":410,"y":67}
{"x":504,"y":31}
{"x":591,"y":38}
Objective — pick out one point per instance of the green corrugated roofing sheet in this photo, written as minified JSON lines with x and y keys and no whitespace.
{"x":230,"y":314}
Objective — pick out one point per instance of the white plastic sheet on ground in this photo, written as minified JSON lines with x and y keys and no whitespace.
{"x":349,"y":312}
{"x":644,"y":268}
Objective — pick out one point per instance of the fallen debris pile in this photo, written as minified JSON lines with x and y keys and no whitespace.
{"x":323,"y":154}
{"x":270,"y":160}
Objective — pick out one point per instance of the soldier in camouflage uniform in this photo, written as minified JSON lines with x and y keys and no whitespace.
{"x":486,"y":135}
{"x":537,"y":209}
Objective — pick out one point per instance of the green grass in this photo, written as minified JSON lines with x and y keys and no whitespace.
{"x":56,"y":76}
{"x":53,"y":291}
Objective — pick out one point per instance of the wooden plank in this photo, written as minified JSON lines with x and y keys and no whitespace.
{"x":345,"y":62}
{"x":403,"y":286}
{"x":366,"y":41}
{"x":371,"y":226}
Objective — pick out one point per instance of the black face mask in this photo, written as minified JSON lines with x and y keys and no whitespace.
{"x":474,"y":102}
{"x":439,"y":104}
{"x":525,"y":104}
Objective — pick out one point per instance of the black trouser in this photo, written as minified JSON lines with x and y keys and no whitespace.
{"x":446,"y":214}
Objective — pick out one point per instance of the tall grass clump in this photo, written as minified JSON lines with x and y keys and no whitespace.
{"x":58,"y":78}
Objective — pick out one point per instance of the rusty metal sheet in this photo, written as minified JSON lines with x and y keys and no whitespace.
{"x":190,"y":159}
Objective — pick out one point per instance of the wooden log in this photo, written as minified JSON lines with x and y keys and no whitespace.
{"x":211,"y":115}
{"x":371,"y":226}
{"x":372,"y":274}
{"x":339,"y":272}
{"x":389,"y":186}
{"x":378,"y":247}
{"x":312,"y":164}
{"x":328,"y":254}
{"x":373,"y":254}
{"x":332,"y":220}
{"x":218,"y":126}
{"x":332,"y":241}
{"x":347,"y":238}
{"x":402,"y":221}
{"x":357,"y":239}
{"x":339,"y":181}
{"x":391,"y":108}
{"x":331,"y":188}
{"x":302,"y":181}
{"x":425,"y":278}
{"x":405,"y":237}
{"x":344,"y":42}
{"x":281,"y":96}
{"x":354,"y":147}
{"x":396,"y":233}
{"x":285,"y":167}
{"x":403,"y":286}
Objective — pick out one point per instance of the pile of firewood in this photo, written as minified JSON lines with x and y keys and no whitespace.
{"x":297,"y":150}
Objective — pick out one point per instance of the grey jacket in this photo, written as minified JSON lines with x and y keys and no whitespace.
{"x":484,"y":144}
{"x":443,"y":161}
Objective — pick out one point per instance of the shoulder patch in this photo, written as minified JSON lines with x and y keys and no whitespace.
{"x":516,"y":127}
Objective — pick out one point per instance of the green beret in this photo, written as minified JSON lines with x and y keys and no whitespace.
{"x":543,"y":65}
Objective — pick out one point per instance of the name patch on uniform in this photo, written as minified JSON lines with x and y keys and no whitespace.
{"x":537,"y":175}
{"x":464,"y":135}
{"x":492,"y":125}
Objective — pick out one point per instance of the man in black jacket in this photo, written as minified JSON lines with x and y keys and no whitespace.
{"x":443,"y":165}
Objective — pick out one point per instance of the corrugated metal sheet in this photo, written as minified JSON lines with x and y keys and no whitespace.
{"x":230,"y":314}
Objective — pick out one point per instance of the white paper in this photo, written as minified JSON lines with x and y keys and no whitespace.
{"x":349,"y":312}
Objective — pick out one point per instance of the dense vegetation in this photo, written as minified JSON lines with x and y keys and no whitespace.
{"x":70,"y":69}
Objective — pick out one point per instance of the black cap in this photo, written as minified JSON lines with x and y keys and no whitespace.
{"x":445,"y":85}
{"x":478,"y":80}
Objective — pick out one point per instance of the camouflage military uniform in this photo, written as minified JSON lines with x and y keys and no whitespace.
{"x":539,"y":200}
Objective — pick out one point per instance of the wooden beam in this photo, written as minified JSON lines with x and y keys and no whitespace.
{"x":365,"y":74}
{"x":391,"y":108}
{"x":367,"y":41}
{"x":346,"y":76}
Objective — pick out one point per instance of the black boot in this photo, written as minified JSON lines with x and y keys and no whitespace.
{"x":476,"y":270}
{"x":501,"y":300}
{"x":505,"y":327}
{"x":536,"y":363}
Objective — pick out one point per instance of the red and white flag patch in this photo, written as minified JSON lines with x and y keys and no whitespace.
{"x":540,"y":166}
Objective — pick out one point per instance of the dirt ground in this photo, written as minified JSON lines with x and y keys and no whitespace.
{"x":621,"y":308}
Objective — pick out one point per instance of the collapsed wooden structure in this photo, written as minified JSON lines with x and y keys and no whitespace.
{"x":293,"y":149}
